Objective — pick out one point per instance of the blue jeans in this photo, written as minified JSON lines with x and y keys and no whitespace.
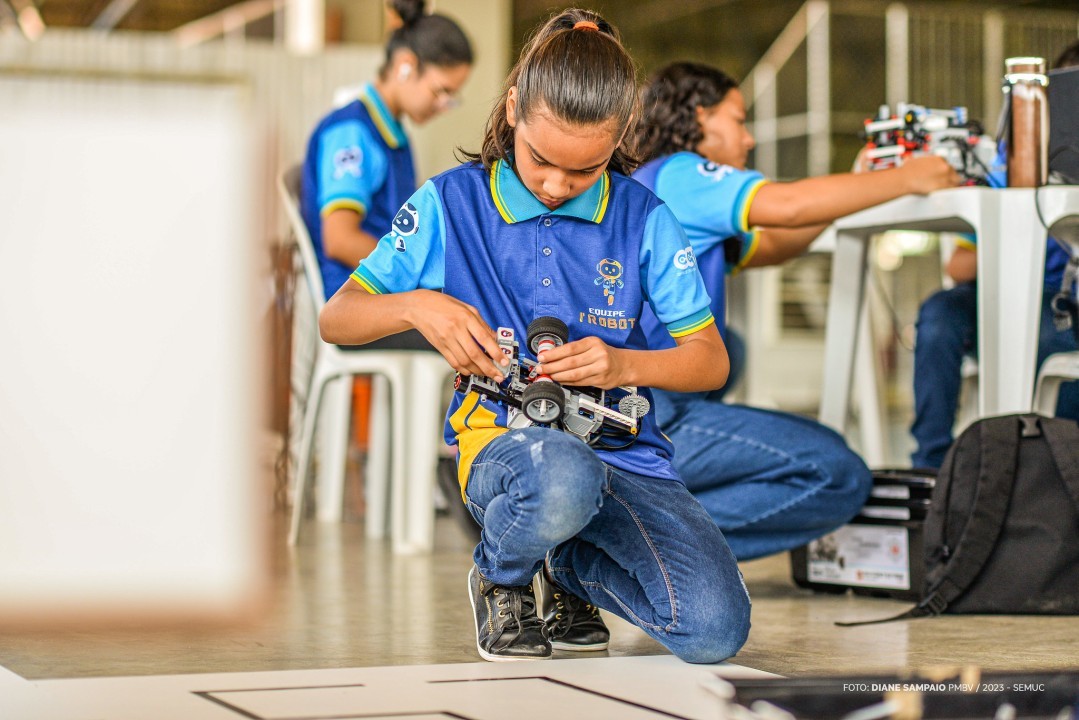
{"x":639,"y":547}
{"x":948,"y":330}
{"x":771,"y":481}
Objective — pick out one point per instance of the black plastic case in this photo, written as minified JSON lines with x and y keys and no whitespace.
{"x":880,"y":552}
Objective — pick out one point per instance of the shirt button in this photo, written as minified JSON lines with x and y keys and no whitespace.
{"x":546,"y":251}
{"x":546,"y":282}
{"x":547,"y":222}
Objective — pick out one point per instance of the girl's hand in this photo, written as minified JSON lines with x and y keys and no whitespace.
{"x":928,"y":173}
{"x":457,"y":331}
{"x":588,"y":361}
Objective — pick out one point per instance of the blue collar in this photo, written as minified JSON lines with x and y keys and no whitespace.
{"x":388,"y":126}
{"x":516,"y":203}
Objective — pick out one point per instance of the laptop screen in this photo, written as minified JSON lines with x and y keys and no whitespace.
{"x":1064,"y":123}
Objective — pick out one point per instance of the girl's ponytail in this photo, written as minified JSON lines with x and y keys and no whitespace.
{"x":433,"y":39}
{"x":575,"y":68}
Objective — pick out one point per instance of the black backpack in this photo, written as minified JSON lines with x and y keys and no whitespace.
{"x":1002,"y":533}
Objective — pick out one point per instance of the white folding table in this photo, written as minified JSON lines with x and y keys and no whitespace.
{"x":1011,"y":263}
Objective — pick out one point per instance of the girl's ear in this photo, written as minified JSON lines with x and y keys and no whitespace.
{"x":511,"y":106}
{"x":629,"y":126}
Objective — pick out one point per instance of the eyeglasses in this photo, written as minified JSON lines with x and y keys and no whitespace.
{"x":445,"y":98}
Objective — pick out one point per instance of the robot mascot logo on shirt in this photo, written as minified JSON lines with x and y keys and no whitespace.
{"x":406,"y":222}
{"x":609,"y":273}
{"x":347,"y":161}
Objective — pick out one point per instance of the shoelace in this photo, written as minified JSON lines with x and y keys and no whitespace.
{"x":519,"y":606}
{"x":570,"y":606}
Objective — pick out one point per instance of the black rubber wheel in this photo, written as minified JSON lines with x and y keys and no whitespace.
{"x":543,"y":402}
{"x":547,"y":326}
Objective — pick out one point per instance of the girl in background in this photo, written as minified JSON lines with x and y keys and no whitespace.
{"x":771,"y":481}
{"x":359,"y":168}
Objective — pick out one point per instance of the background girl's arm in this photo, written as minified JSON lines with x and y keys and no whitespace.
{"x":351,"y":167}
{"x":699,"y":362}
{"x":823,"y":199}
{"x":963,"y":265}
{"x":354,"y":316}
{"x":777,"y":245}
{"x":343,"y":239}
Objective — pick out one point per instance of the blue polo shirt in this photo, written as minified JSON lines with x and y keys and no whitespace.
{"x":712,"y":204}
{"x":358,"y":158}
{"x":595,"y":262}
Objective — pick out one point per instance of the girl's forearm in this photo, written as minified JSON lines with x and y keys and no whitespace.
{"x":777,"y":245}
{"x":695,"y":365}
{"x":822,"y":199}
{"x":354,"y":316}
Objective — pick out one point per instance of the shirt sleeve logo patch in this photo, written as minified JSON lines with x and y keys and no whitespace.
{"x":610,"y":272}
{"x":347,"y":161}
{"x":711,"y":170}
{"x":407,"y":220}
{"x":684,"y":259}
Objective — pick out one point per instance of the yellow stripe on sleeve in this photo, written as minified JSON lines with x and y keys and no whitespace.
{"x":744,"y":220}
{"x":364,"y":284}
{"x":696,"y":327}
{"x":965,"y":244}
{"x":343,"y":204}
{"x":754,"y":243}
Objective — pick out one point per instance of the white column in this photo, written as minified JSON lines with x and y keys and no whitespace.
{"x":819,"y":88}
{"x":305,"y":26}
{"x":897,"y":54}
{"x":992,"y":66}
{"x":765,"y":111}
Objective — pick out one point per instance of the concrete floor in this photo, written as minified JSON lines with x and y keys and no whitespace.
{"x":341,"y":601}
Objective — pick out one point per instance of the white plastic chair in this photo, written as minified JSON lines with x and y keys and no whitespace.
{"x":345,"y":94}
{"x":1057,"y":368}
{"x":407,"y":402}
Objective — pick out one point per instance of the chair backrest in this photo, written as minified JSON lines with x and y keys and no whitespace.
{"x":345,"y":94}
{"x":307,"y":346}
{"x":288,"y":185}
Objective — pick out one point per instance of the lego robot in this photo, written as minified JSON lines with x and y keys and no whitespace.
{"x":917,"y":130}
{"x":592,"y":414}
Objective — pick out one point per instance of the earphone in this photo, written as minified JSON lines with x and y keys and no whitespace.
{"x":404,"y":71}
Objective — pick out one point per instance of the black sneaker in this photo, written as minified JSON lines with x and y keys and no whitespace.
{"x":507,"y":627}
{"x":572,"y":623}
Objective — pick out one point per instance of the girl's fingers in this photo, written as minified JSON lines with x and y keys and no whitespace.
{"x":467,"y":357}
{"x":485,"y":350}
{"x":456,"y":360}
{"x":576,"y":376}
{"x":561,"y":359}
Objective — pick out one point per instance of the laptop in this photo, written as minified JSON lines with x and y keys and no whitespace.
{"x":1064,"y":124}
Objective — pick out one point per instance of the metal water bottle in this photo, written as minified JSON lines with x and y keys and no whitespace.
{"x":1028,"y":137}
